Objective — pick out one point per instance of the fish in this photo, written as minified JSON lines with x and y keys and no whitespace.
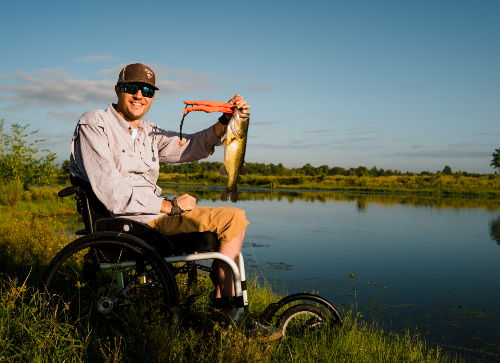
{"x":235,"y":145}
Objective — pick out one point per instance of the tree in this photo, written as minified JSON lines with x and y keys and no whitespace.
{"x":447,"y":170}
{"x":21,"y":158}
{"x":495,"y":162}
{"x":362,"y":171}
{"x":65,"y":167}
{"x":336,"y":170}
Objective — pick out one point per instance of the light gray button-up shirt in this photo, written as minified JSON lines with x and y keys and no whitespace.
{"x":122,"y":171}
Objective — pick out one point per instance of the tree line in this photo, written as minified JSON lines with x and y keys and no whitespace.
{"x":22,"y":159}
{"x":307,"y":170}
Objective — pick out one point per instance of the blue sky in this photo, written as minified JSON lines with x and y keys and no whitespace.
{"x":407,"y":85}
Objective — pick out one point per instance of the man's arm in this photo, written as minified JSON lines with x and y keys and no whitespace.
{"x":196,"y":146}
{"x":186,"y":201}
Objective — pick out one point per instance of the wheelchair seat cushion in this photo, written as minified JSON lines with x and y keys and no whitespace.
{"x":193,"y":242}
{"x":178,"y":244}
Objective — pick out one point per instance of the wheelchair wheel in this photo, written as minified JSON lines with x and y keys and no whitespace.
{"x":76,"y":289}
{"x":301,"y":319}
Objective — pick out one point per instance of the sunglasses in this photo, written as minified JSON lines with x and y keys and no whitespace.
{"x":134,"y":88}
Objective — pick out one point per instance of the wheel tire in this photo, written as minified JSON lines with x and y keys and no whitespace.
{"x":303,"y":318}
{"x":80,"y":293}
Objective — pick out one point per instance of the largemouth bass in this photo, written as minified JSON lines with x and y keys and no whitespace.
{"x":234,"y":154}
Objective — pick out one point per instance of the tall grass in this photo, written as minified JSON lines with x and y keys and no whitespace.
{"x":27,"y":244}
{"x":196,"y":336}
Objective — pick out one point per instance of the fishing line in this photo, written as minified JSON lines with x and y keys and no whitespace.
{"x":251,"y":245}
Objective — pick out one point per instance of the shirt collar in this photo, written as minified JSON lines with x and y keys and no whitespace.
{"x":121,"y":121}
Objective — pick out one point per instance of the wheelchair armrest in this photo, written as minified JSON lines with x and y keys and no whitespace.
{"x":137,"y":229}
{"x":66,"y":192}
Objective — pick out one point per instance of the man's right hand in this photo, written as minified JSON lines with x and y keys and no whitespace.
{"x":185,"y":201}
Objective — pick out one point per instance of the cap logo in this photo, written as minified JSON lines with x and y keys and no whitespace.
{"x":149,"y":73}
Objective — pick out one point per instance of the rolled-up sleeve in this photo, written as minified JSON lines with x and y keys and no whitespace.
{"x":107,"y":182}
{"x":196,"y":146}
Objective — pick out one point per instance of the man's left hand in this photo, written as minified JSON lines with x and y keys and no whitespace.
{"x":242,"y":105}
{"x":239,"y":102}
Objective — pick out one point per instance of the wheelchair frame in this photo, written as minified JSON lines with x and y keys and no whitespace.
{"x":140,"y":237}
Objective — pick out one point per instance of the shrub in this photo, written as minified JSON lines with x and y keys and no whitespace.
{"x":21,"y":159}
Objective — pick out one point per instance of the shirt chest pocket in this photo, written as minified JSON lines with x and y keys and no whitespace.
{"x":125,"y":161}
{"x":149,"y":157}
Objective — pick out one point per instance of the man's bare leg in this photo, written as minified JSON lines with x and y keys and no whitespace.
{"x":231,"y":249}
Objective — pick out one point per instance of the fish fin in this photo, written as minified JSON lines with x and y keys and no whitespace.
{"x":230,"y":195}
{"x":223,"y":141}
{"x":222,"y":170}
{"x":243,"y":169}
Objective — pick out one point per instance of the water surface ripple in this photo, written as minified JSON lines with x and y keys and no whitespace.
{"x":434,"y":260}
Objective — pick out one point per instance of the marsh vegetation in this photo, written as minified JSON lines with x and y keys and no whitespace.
{"x":39,"y":224}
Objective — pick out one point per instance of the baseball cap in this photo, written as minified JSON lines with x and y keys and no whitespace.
{"x":138,"y":72}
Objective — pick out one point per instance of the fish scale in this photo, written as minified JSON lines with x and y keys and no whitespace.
{"x":235,"y":145}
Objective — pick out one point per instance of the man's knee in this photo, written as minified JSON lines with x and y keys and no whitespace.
{"x":234,"y":213}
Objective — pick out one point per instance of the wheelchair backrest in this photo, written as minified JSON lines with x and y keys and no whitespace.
{"x":88,"y":205}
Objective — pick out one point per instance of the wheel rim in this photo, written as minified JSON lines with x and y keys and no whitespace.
{"x":81,"y":294}
{"x":301,"y":323}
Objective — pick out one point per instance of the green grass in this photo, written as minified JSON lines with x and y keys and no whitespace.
{"x":434,"y":185}
{"x":196,"y":337}
{"x":29,"y":239}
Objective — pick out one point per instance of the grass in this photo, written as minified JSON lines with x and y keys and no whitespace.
{"x":196,"y":337}
{"x":32,"y":232}
{"x":418,"y":184}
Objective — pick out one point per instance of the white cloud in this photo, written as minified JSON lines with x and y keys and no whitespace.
{"x":165,"y":74}
{"x":112,"y":72}
{"x":58,"y":88}
{"x":63,"y":116}
{"x":54,"y":87}
{"x":171,"y":81}
{"x":264,"y":122}
{"x":439,"y":154}
{"x":97,"y":58}
{"x":259,"y":88}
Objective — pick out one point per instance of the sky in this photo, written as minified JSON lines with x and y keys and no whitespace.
{"x":406,"y":85}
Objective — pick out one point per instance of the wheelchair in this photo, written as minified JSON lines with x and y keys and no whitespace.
{"x":121,"y":270}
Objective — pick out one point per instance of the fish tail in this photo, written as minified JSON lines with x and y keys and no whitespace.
{"x":230,"y":195}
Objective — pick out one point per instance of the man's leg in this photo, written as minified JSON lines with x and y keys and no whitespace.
{"x":228,"y":222}
{"x":231,"y":249}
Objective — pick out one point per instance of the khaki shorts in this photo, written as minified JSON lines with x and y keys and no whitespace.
{"x":226,"y":222}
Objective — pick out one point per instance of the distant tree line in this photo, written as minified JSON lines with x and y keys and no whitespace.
{"x":307,"y":170}
{"x":21,"y":159}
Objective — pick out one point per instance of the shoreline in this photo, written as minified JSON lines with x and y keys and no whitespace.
{"x":353,"y":190}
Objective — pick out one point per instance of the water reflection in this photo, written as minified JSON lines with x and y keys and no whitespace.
{"x":432,"y":257}
{"x":495,"y":229}
{"x":362,"y":201}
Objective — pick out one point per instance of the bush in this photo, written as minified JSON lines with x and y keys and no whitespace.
{"x":11,"y":192}
{"x":21,"y":159}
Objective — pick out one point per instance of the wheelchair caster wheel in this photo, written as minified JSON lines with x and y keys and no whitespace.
{"x":302,"y":319}
{"x":105,"y":305}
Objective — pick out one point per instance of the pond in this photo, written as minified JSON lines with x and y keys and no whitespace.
{"x":429,"y":262}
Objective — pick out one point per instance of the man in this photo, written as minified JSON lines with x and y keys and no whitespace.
{"x":118,"y":152}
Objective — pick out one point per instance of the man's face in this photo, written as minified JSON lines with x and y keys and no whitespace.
{"x":132,"y":107}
